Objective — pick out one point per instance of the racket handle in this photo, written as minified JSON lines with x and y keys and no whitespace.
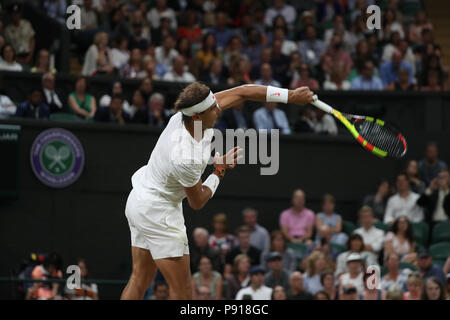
{"x":321,"y":105}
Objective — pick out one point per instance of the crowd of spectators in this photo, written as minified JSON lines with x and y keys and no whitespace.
{"x":323,"y":44}
{"x":256,"y":263}
{"x":46,"y":268}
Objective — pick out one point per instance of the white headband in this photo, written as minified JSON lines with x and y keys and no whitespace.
{"x":201,"y":106}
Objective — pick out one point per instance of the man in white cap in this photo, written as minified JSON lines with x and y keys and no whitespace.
{"x":154,"y":207}
{"x":354,"y":276}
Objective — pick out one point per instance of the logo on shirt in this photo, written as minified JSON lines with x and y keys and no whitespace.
{"x":275,"y":94}
{"x":57,"y":158}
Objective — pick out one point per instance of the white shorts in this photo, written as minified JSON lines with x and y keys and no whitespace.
{"x":157,"y":225}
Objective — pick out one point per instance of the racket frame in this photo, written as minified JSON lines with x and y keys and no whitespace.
{"x":351,"y":127}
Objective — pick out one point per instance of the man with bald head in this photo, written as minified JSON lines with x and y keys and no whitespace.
{"x":297,"y":222}
{"x":389,"y":69}
{"x":51,"y":97}
{"x":296,"y":291}
{"x":200,"y":248}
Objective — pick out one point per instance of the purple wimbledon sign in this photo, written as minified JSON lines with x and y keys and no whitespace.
{"x":57,"y":158}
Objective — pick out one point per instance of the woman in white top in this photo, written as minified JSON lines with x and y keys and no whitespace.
{"x":154,"y":207}
{"x":401,"y":240}
{"x":8,"y":61}
{"x":97,"y":59}
{"x":120,"y":53}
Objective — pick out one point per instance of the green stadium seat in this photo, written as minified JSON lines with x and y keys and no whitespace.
{"x":348,"y":227}
{"x":439,"y":262}
{"x":421,"y":232}
{"x":409,"y":8}
{"x":382,"y":4}
{"x":62,"y":116}
{"x":419,"y":247}
{"x":440,"y":251}
{"x":383,"y":271}
{"x":339,"y":247}
{"x":441,"y":232}
{"x":299,"y":249}
{"x":382,"y":226}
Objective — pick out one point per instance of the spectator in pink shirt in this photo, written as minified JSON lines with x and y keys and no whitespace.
{"x":297,"y":222}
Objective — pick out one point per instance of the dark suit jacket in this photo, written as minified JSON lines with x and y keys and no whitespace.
{"x":26,"y":110}
{"x":206,"y":78}
{"x":253,"y":253}
{"x":197,"y":253}
{"x":145,"y":116}
{"x":430,"y":202}
{"x":53,"y":107}
{"x":228,"y":119}
{"x":104,"y":115}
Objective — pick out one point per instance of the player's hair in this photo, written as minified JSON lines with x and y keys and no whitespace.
{"x":191,"y":95}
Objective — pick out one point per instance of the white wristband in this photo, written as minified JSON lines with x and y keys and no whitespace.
{"x":212,"y":182}
{"x":274,"y":94}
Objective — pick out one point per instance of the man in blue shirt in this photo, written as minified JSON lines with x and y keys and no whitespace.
{"x":367,"y":80}
{"x":311,"y":49}
{"x":431,"y":165}
{"x":389,"y":69}
{"x":270,"y":117}
{"x":34,"y":107}
{"x":259,"y":236}
{"x":428,"y":269}
{"x":220,"y":31}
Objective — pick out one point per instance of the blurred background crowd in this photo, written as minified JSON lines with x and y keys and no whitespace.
{"x":403,"y":234}
{"x":322,"y":44}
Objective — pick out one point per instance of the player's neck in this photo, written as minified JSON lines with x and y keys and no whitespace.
{"x":195,"y":130}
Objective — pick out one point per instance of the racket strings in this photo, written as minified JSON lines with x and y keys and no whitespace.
{"x":382,"y":138}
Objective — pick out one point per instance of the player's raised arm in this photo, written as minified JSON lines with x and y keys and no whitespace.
{"x":234,"y":96}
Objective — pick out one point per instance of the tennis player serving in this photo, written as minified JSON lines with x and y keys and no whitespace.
{"x":154,"y":207}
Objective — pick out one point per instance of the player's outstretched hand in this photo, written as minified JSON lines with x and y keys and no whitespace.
{"x":229,"y":160}
{"x":301,"y":96}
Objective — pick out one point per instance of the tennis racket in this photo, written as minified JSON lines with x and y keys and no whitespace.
{"x":375,"y":135}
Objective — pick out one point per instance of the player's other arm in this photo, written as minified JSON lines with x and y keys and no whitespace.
{"x":199,"y":194}
{"x":234,"y":96}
